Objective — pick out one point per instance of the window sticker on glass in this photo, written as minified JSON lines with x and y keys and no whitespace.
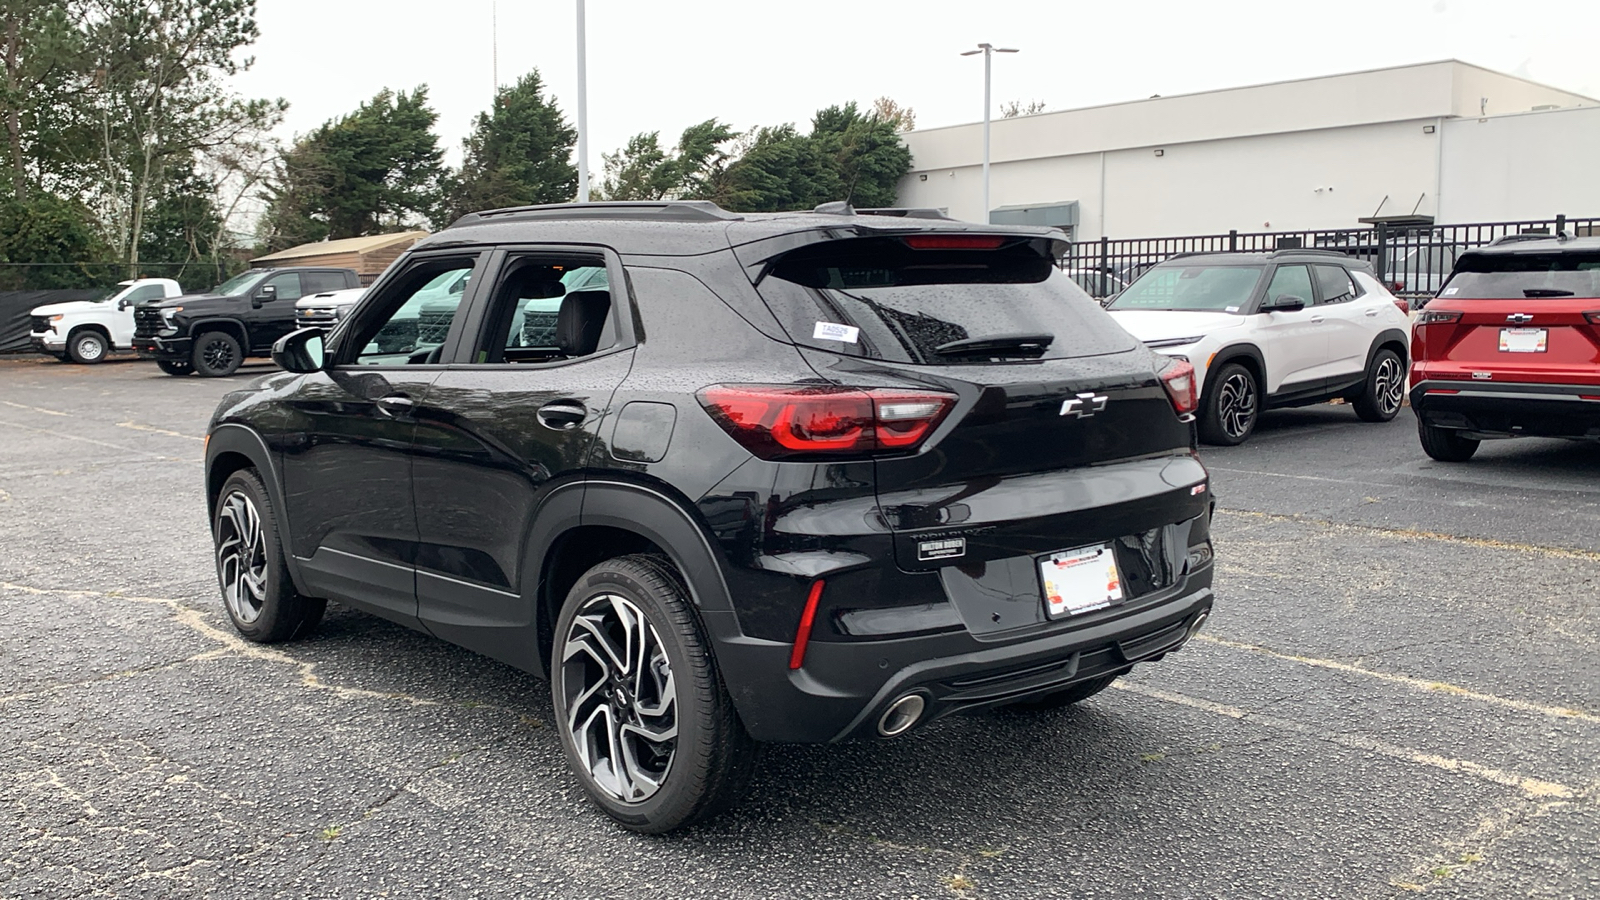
{"x":832,"y":331}
{"x":1231,"y":309}
{"x":1449,"y":291}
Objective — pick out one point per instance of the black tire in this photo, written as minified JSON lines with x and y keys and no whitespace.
{"x":708,"y":760}
{"x":1231,"y":406}
{"x":62,"y":357}
{"x":1446,"y":444}
{"x":1381,"y":397}
{"x":216,"y":354}
{"x":87,"y":346}
{"x":257,"y":592}
{"x":175,"y":366}
{"x":1076,"y":693}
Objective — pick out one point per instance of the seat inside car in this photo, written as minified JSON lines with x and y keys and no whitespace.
{"x":581,"y":320}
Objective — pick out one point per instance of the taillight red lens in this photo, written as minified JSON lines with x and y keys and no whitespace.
{"x":954,"y":241}
{"x":1178,"y":379}
{"x":1404,"y":306}
{"x":1438,"y":316}
{"x":1593,"y":317}
{"x":788,"y":421}
{"x":1398,"y":286}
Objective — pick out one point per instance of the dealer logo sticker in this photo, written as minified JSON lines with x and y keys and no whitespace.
{"x":944,"y":548}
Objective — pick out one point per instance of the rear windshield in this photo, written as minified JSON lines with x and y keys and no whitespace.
{"x":1193,"y":288}
{"x":1489,"y":276}
{"x":932,"y":307}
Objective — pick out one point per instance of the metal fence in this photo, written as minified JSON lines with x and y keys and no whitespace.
{"x":194,"y":275}
{"x":1413,"y":260}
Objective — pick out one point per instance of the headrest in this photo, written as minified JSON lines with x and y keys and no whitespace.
{"x":578,"y":324}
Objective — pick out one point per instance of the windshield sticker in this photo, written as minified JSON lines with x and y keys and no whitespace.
{"x":831,"y":331}
{"x":1231,"y":309}
{"x":1449,"y":291}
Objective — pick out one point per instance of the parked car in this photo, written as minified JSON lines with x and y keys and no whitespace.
{"x":325,"y":309}
{"x":1510,"y":347}
{"x":1270,"y":330}
{"x":84,"y":331}
{"x":1097,"y":283}
{"x":810,"y":477}
{"x":211,"y":334}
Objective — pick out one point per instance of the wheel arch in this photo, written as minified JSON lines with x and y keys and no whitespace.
{"x":232,"y":326}
{"x":231,"y":447}
{"x":1390,"y":339}
{"x":92,"y":326}
{"x":1247,"y":355}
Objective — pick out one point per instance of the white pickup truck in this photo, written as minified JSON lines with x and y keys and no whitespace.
{"x":86,"y":330}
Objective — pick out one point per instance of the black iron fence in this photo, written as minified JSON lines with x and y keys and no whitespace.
{"x":193,"y":276}
{"x":1412,"y":259}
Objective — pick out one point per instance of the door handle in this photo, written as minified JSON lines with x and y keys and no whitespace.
{"x":1316,"y":320}
{"x":395,"y":405}
{"x":1371,"y":313}
{"x":562,"y":415}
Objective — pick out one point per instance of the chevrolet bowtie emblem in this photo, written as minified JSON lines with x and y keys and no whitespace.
{"x":1519,"y":318}
{"x":1084,"y":405}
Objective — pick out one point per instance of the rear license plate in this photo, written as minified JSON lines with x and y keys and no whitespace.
{"x":1080,"y":581}
{"x":1524,"y":340}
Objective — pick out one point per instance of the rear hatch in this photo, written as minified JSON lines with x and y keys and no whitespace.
{"x":1061,"y":433}
{"x":1525,"y":316}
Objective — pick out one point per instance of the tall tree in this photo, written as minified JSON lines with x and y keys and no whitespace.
{"x":903,"y":118}
{"x":159,"y":100}
{"x":43,"y":61}
{"x":643,"y":171}
{"x":377,"y":169}
{"x":519,"y":152}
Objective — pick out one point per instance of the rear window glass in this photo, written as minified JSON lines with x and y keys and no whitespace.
{"x":938,"y":307}
{"x":1487,"y":276}
{"x":1196,"y":288}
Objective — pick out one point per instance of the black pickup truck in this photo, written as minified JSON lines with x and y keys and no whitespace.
{"x":210,"y":334}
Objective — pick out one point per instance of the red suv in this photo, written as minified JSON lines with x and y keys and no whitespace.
{"x":1510,"y":347}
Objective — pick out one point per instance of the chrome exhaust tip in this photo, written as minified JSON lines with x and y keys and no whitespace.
{"x":901,"y":715}
{"x":1198,"y":623}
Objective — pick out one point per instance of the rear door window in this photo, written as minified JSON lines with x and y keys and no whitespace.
{"x":1493,"y":276}
{"x":1336,"y":284}
{"x":877,"y":298}
{"x":318,"y":282}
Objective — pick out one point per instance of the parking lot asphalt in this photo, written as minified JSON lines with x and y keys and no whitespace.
{"x":1399,"y":694}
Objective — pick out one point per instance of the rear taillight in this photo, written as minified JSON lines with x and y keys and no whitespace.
{"x":1178,"y":379}
{"x":1438,"y":316}
{"x":788,"y":422}
{"x":1593,"y":317}
{"x":1404,"y":306}
{"x":1398,"y":286}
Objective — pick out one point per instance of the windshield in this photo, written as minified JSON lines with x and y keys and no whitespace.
{"x":240,"y":283}
{"x":1195,"y":288}
{"x":1517,"y":276}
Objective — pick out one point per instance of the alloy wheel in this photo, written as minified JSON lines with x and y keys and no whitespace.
{"x":1389,"y":385}
{"x":1236,"y":405}
{"x":242,"y":557}
{"x":217,"y":354}
{"x":620,"y":698}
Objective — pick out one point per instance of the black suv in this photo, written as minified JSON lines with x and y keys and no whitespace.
{"x":788,"y":477}
{"x":211,"y":334}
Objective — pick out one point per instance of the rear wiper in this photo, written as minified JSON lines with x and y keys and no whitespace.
{"x":1545,"y":292}
{"x":998,"y":345}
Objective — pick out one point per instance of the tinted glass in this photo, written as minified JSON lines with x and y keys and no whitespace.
{"x":145,"y":293}
{"x":288,"y":285}
{"x":240,"y":283}
{"x":1202,"y":288}
{"x":1291,"y":281}
{"x":1335,"y":283}
{"x":420,"y":322}
{"x":318,"y":282}
{"x":1517,"y":276}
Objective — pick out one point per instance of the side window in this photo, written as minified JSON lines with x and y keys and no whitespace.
{"x":317,"y":282}
{"x":145,"y":293}
{"x":548,"y":309}
{"x":1291,"y":281}
{"x":288,"y":285}
{"x":420,"y":308}
{"x":1336,"y":284}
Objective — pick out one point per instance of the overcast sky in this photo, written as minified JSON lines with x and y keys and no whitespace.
{"x":664,"y":65}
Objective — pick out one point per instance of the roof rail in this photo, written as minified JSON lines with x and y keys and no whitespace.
{"x":1529,"y":236}
{"x":835,"y":208}
{"x":670,"y":210}
{"x":1284,"y":251}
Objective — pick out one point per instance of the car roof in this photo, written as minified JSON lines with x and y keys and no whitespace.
{"x":690,"y":227}
{"x":1528,"y":243}
{"x":1256,"y":258}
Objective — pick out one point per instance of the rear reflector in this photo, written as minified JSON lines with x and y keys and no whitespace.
{"x":1441,"y":391}
{"x":791,"y":421}
{"x":1178,"y":379}
{"x":954,"y":241}
{"x":802,"y":635}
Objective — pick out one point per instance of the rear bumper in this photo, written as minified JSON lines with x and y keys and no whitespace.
{"x":1485,"y":409}
{"x":845,"y":687}
{"x":164,"y":348}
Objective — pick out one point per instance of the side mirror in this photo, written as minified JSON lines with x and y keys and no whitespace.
{"x":299,"y":351}
{"x":267,"y":293}
{"x":123,"y":304}
{"x":1284,"y":303}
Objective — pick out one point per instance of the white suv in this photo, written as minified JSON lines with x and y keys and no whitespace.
{"x":86,"y":330}
{"x":1270,"y":330}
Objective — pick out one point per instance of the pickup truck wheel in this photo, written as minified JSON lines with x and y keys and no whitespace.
{"x":1385,"y":390}
{"x":257,"y":591}
{"x":87,"y":346}
{"x":175,"y":366}
{"x":644,"y":718}
{"x":216,"y":354}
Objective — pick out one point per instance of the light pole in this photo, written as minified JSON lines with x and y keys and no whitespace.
{"x":988,"y":51}
{"x":583,"y":115}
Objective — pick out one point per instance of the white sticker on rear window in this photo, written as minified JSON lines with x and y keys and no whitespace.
{"x":832,"y":331}
{"x":1449,"y":291}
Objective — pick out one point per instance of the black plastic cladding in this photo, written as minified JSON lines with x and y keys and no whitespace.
{"x":493,"y":489}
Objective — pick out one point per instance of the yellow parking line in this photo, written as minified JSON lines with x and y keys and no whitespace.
{"x":1414,"y":534}
{"x":37,"y":409}
{"x":154,"y":430}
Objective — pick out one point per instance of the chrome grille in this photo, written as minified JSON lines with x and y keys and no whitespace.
{"x":147,"y":321}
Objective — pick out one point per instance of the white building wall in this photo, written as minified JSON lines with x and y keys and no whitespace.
{"x":1527,"y":166}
